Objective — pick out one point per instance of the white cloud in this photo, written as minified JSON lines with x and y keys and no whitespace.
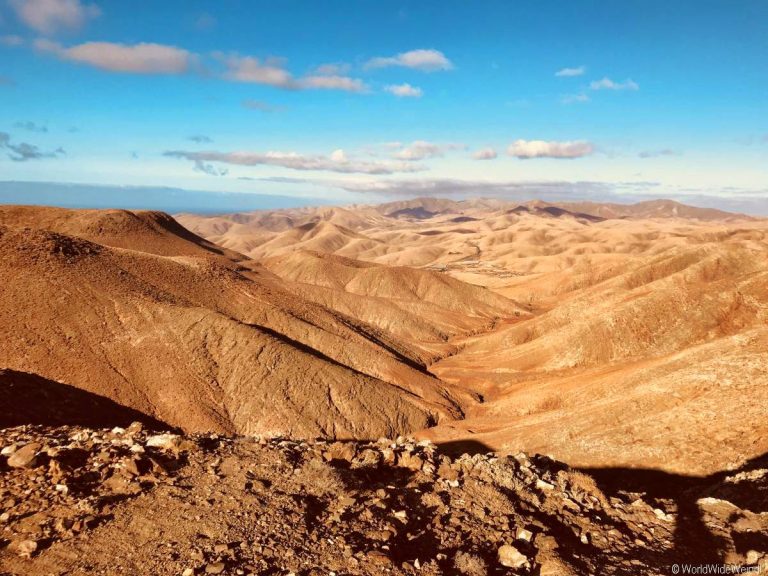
{"x":424,"y":60}
{"x":525,"y":149}
{"x":574,"y":98}
{"x":608,"y":84}
{"x":132,"y":59}
{"x":404,"y":90}
{"x":339,"y":156}
{"x":485,"y":154}
{"x":571,"y":72}
{"x":273,"y":73}
{"x":252,"y":70}
{"x":48,"y":16}
{"x":421,"y":149}
{"x":338,"y":161}
{"x":332,"y":83}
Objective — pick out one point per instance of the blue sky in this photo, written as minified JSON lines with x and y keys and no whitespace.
{"x":353,"y":101}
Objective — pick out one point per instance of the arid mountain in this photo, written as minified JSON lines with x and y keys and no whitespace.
{"x":636,"y":331}
{"x":184,"y":333}
{"x":603,"y":339}
{"x":273,"y":350}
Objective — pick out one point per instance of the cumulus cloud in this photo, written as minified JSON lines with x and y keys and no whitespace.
{"x":424,"y":60}
{"x":200,"y":139}
{"x":23,"y":151}
{"x":404,"y":90}
{"x":272,"y":72}
{"x":49,"y":16}
{"x":31,"y":127}
{"x":421,"y":149}
{"x":571,"y":72}
{"x":261,"y":106}
{"x":484,"y":154}
{"x":608,"y":84}
{"x":338,"y":161}
{"x":574,"y":98}
{"x":141,"y":58}
{"x":526,"y":149}
{"x":658,"y":153}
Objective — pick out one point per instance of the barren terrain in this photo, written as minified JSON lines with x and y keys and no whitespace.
{"x":271,"y":360}
{"x":641,"y":337}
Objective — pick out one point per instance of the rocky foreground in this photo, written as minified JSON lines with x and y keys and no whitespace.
{"x":129,"y":501}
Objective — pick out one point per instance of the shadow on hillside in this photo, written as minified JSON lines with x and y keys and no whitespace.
{"x":27,"y":398}
{"x":456,"y":448}
{"x":693,"y":541}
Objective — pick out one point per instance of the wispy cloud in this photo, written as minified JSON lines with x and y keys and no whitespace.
{"x":424,"y":60}
{"x":331,"y":83}
{"x":525,"y":149}
{"x":31,"y":127}
{"x":574,"y":98}
{"x":261,"y":106}
{"x":332,"y":69}
{"x":608,"y":84}
{"x":127,"y":58}
{"x":209,"y":169}
{"x":484,"y":154}
{"x":23,"y":151}
{"x":552,"y":190}
{"x":49,"y":16}
{"x":658,"y":153}
{"x":421,"y":149}
{"x":5,"y":81}
{"x":404,"y":90}
{"x":200,"y":139}
{"x":338,"y":161}
{"x":272,"y":72}
{"x":571,"y":72}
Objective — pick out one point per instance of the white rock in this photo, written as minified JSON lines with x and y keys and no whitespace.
{"x":164,"y":441}
{"x":511,"y":557}
{"x":753,"y":556}
{"x":542,"y":485}
{"x":524,"y":535}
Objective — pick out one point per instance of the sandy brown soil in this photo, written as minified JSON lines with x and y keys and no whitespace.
{"x":128,"y":501}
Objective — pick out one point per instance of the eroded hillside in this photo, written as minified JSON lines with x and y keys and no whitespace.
{"x":638,"y":331}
